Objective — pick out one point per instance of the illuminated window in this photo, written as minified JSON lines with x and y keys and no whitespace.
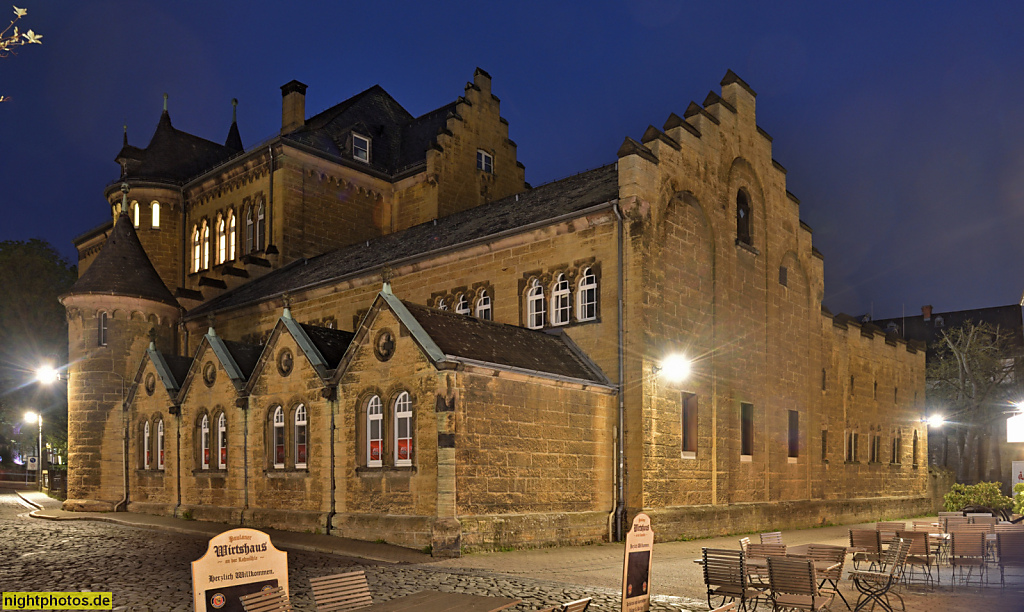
{"x":204,"y":443}
{"x":222,"y":240}
{"x":222,"y":441}
{"x":231,"y":234}
{"x":560,"y":301}
{"x":145,"y":445}
{"x":301,"y":432}
{"x":586,"y":297}
{"x":374,"y":433}
{"x":278,"y":437}
{"x":196,"y":249}
{"x":483,"y":306}
{"x":156,"y":214}
{"x":160,"y":444}
{"x":206,"y":245}
{"x":535,"y":305}
{"x":135,"y":214}
{"x":403,"y":430}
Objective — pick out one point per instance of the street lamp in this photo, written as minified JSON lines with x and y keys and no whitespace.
{"x":32,"y":417}
{"x":674,"y":368}
{"x":47,"y":374}
{"x":935,"y":420}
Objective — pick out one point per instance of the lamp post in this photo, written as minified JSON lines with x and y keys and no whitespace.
{"x":32,"y":417}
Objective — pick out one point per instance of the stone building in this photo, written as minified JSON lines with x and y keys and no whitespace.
{"x":371,"y":326}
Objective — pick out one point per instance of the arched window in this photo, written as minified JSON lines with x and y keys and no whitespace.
{"x":222,"y":441}
{"x":535,"y":305}
{"x":204,"y":442}
{"x":206,"y":245}
{"x":231,"y":234}
{"x":913,"y":449}
{"x":483,"y":306}
{"x":135,"y":214}
{"x":261,"y":227}
{"x":101,"y":329}
{"x":374,"y":433}
{"x":145,"y":445}
{"x":441,"y":304}
{"x":160,"y":444}
{"x":222,"y":240}
{"x":742,"y":218}
{"x":560,"y":301}
{"x":156,"y":214}
{"x":300,"y":436}
{"x":278,"y":437}
{"x":196,"y":249}
{"x":403,"y":430}
{"x":248,"y":230}
{"x":462,"y":305}
{"x":586,"y":296}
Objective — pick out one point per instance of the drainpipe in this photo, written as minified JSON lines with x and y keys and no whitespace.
{"x":270,"y":198}
{"x":122,"y":506}
{"x":620,"y":506}
{"x":332,"y":404}
{"x":177,"y":458}
{"x":245,"y":458}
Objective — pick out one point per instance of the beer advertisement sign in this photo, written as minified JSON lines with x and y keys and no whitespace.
{"x":236,"y":563}
{"x":636,"y":568}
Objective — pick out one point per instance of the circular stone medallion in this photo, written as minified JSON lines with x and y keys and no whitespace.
{"x":285,"y":362}
{"x":209,"y":373}
{"x":150,"y":383}
{"x":384,"y":345}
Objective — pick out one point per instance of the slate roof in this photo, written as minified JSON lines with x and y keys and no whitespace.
{"x":331,"y":343}
{"x":179,"y":367}
{"x":537,"y":205}
{"x":122,"y":268}
{"x":245,"y":355}
{"x":507,"y":345}
{"x":175,"y":156}
{"x":1008,"y":318}
{"x":398,"y":140}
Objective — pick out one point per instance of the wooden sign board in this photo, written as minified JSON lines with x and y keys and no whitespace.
{"x":636,"y":567}
{"x":236,"y":563}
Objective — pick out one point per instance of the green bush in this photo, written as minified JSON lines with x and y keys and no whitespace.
{"x":1018,"y":498}
{"x":985,"y":494}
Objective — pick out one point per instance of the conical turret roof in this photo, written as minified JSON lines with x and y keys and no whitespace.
{"x":122,"y":268}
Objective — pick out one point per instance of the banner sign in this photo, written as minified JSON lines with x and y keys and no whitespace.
{"x":636,"y":568}
{"x":1018,"y":473}
{"x":236,"y":563}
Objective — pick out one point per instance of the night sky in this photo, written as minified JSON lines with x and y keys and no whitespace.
{"x":901,"y":124}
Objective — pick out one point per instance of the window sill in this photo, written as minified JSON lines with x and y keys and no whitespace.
{"x":150,"y":471}
{"x":689,"y":455}
{"x":286,"y":473}
{"x":895,"y":465}
{"x":212,"y":473}
{"x":747,"y":247}
{"x":791,"y":459}
{"x":386,"y":469}
{"x":746,"y":458}
{"x":853,"y":463}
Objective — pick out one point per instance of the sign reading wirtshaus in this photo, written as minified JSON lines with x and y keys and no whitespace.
{"x":236,"y":563}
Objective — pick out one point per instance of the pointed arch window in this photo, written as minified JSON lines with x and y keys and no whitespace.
{"x":403,"y":430}
{"x":206,"y":246}
{"x":145,"y":446}
{"x":560,"y":301}
{"x":261,"y":227}
{"x":204,"y":442}
{"x":160,"y":444}
{"x":586,"y":296}
{"x":222,"y":240}
{"x":742,"y":218}
{"x":535,"y":305}
{"x":101,"y":329}
{"x":222,"y":441}
{"x":231,"y":234}
{"x":462,"y":305}
{"x":248,"y":230}
{"x":156,"y":214}
{"x":441,"y":304}
{"x":374,"y":433}
{"x":135,"y":214}
{"x":483,"y":306}
{"x":278,"y":437}
{"x":196,"y":249}
{"x":301,"y":432}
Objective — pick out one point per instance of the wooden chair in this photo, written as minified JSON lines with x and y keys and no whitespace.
{"x":834,"y":555}
{"x":1011,"y":552}
{"x":267,"y":600}
{"x":867,"y":547}
{"x":729,"y":607}
{"x":887,"y":529}
{"x":794,"y":585}
{"x":772,"y":537}
{"x":725,"y":576}
{"x":744,"y":542}
{"x":341,"y":592}
{"x":925,"y":526}
{"x":580,"y":605}
{"x":983,"y":520}
{"x":967,"y":551}
{"x":949,"y":523}
{"x":876,"y":586}
{"x":758,"y":573}
{"x":1009,"y":528}
{"x":920,"y":555}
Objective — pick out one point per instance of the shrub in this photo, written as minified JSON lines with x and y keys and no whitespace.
{"x":1018,"y":498}
{"x":985,"y":494}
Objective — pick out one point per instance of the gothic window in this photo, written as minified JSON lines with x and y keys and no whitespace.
{"x":897,"y":447}
{"x":586,"y":296}
{"x":204,"y":442}
{"x":196,"y":249}
{"x":301,"y":432}
{"x":156,"y":214}
{"x":278,"y":437}
{"x":483,"y":306}
{"x":484,"y":161}
{"x":231,"y":234}
{"x":560,"y":301}
{"x":222,"y":441}
{"x":361,"y":148}
{"x":248,"y":230}
{"x":403,"y":430}
{"x":535,"y":305}
{"x":135,"y":214}
{"x":913,"y":450}
{"x":261,"y":227}
{"x":374,"y":433}
{"x":145,"y":445}
{"x":160,"y":444}
{"x":206,"y":246}
{"x":746,"y":431}
{"x":462,"y":305}
{"x":742,"y":218}
{"x":101,"y":330}
{"x":222,"y":240}
{"x":441,"y":304}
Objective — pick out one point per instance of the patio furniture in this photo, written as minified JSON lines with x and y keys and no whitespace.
{"x":952,"y":522}
{"x":832,"y":554}
{"x":967,"y":551}
{"x":729,"y":607}
{"x":876,"y":586}
{"x":867,"y":547}
{"x":757,"y":564}
{"x":1011,"y":528}
{"x":1011,"y":552}
{"x":348,"y":591}
{"x":772,"y":537}
{"x":725,"y":576}
{"x":268,"y":600}
{"x":580,"y":605}
{"x":925,"y":526}
{"x":920,"y":556}
{"x":983,"y":520}
{"x":887,"y":529}
{"x":942,"y":514}
{"x":794,"y":585}
{"x":972,"y":515}
{"x":744,"y":542}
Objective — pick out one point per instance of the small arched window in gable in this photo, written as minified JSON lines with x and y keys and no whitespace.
{"x":301,"y":431}
{"x":248,"y":230}
{"x":403,"y":430}
{"x":483,"y":306}
{"x":586,"y":296}
{"x":278,"y":437}
{"x":135,"y":214}
{"x":535,"y":305}
{"x":204,"y":443}
{"x":222,"y":441}
{"x":560,"y":301}
{"x":231,"y":234}
{"x":374,"y":433}
{"x":155,"y":206}
{"x":462,"y":305}
{"x":742,"y":218}
{"x":160,"y":444}
{"x":145,"y":446}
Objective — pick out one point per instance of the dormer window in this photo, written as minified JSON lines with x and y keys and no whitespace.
{"x":361,"y":148}
{"x":484,"y":161}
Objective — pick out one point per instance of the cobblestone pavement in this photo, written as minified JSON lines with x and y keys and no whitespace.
{"x":150,"y":570}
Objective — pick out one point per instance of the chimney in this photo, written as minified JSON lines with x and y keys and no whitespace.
{"x":293,"y":106}
{"x":926,"y":312}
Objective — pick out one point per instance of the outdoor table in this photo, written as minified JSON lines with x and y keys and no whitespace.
{"x":436,"y":601}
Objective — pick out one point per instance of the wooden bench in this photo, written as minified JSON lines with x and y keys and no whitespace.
{"x":339,"y":592}
{"x":580,"y":605}
{"x":267,"y":600}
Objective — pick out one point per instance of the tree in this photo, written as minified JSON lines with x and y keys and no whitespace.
{"x":12,"y":37}
{"x":972,"y":376}
{"x":33,"y":331}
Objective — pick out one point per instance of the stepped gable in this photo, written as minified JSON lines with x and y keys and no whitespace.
{"x":537,"y":205}
{"x":122,"y":268}
{"x":331,"y":343}
{"x":399,"y":140}
{"x":507,"y":345}
{"x":175,"y":156}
